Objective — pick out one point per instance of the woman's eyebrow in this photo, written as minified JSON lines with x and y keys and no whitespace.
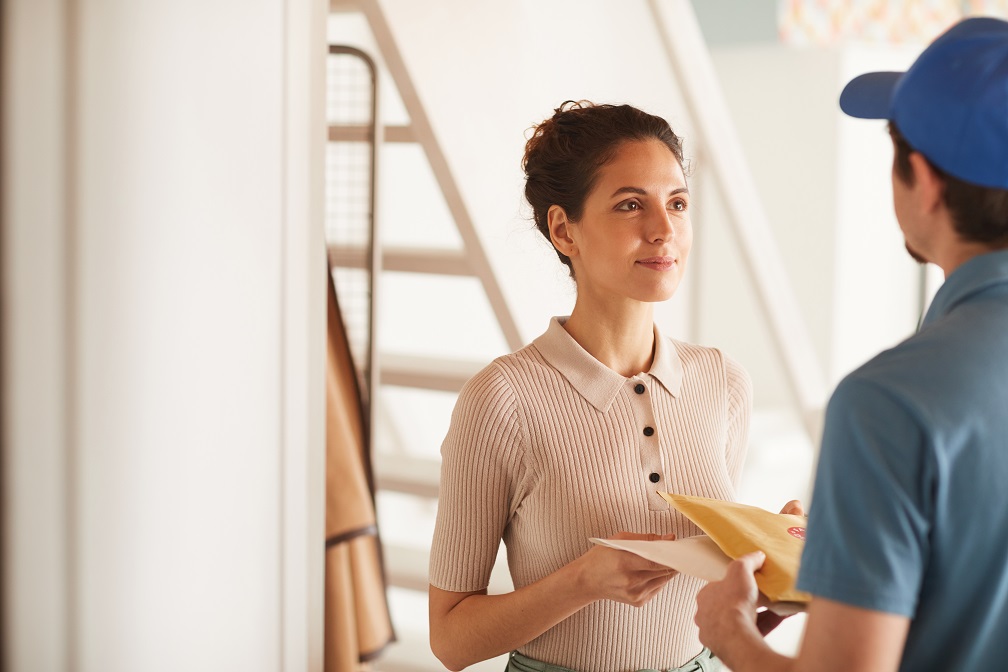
{"x":642,"y":192}
{"x":629,"y":190}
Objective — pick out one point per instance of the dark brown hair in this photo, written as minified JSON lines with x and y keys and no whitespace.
{"x":979,"y":214}
{"x":566,"y":152}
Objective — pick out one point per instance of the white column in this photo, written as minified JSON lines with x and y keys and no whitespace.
{"x":163,"y":365}
{"x":36,"y":589}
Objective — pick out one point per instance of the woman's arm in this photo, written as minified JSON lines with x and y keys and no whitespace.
{"x":466,"y":628}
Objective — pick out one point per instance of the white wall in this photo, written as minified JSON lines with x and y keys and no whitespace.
{"x":825,"y":183}
{"x":735,"y":22}
{"x":823,"y":178}
{"x":485,"y":85}
{"x":163,"y":333}
{"x":486,"y":73}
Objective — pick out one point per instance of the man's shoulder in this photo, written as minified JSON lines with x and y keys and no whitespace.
{"x":960,"y":342}
{"x":927,"y":353}
{"x":930,"y":376}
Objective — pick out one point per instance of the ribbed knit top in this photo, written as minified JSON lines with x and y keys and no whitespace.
{"x":548,"y":447}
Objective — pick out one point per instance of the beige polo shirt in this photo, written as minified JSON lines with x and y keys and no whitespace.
{"x":548,"y":447}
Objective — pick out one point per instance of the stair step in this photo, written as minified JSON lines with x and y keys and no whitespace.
{"x":410,"y":475}
{"x":407,"y":567}
{"x":404,"y":259}
{"x":429,"y":373}
{"x":362,"y":133}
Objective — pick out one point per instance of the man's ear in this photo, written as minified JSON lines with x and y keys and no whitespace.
{"x":927,"y":182}
{"x":560,"y":231}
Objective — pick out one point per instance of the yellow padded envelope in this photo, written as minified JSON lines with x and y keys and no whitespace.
{"x":739,"y":529}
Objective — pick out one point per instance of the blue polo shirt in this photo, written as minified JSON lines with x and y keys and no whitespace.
{"x":910,"y":513}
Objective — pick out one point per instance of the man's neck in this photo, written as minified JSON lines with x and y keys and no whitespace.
{"x":958,"y":254}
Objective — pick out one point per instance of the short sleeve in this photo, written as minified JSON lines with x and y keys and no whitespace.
{"x":867,"y":538}
{"x":481,"y":466}
{"x":739,"y":411}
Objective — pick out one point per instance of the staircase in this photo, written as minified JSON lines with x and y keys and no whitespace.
{"x":358,"y":140}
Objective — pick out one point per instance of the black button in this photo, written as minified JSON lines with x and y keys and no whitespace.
{"x":655,"y":477}
{"x":648,"y":431}
{"x":638,"y":388}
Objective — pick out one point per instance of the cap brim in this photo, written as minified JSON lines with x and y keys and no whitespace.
{"x":869,"y":96}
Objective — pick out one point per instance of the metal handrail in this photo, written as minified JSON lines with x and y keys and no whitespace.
{"x":372,"y":253}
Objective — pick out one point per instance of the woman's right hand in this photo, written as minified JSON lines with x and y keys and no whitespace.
{"x":467,"y":627}
{"x":611,"y":574}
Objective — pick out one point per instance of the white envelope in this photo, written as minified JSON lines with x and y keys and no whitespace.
{"x":696,"y":556}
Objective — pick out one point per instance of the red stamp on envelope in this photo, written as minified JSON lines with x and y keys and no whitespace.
{"x":797,"y":532}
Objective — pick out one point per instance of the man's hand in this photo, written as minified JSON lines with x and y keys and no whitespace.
{"x":767,"y":621}
{"x":726,"y":612}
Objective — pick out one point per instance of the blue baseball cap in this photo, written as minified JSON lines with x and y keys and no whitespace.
{"x":951,"y":105}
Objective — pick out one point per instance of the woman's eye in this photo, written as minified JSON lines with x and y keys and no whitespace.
{"x":678,"y":204}
{"x":629,"y":206}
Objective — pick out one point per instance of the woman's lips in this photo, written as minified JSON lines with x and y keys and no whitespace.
{"x":658,"y":263}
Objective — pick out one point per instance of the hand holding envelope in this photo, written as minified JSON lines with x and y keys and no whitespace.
{"x":732,"y":530}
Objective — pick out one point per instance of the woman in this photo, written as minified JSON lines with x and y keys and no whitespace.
{"x":574,"y":435}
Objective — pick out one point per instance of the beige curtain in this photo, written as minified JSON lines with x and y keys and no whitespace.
{"x":357,"y":621}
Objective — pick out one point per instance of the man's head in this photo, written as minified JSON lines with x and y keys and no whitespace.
{"x":951,"y":107}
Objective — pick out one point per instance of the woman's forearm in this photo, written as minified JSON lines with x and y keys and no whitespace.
{"x":480,"y":626}
{"x":470,"y":627}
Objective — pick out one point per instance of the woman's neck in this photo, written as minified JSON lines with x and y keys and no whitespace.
{"x":623,"y":340}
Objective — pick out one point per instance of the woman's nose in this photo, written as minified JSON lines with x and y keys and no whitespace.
{"x":662,"y":227}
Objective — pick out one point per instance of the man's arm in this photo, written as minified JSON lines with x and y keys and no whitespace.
{"x":841,"y":637}
{"x":837,"y":636}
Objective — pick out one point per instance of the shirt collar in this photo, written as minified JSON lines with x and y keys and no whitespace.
{"x":971,"y":277}
{"x":593,"y":380}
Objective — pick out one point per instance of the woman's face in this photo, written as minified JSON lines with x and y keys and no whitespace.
{"x":634,"y":236}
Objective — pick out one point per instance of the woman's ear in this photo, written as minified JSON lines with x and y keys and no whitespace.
{"x":560,"y":231}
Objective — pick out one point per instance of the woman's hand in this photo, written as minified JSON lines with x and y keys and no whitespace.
{"x":611,"y":574}
{"x":467,"y":627}
{"x":794,"y":507}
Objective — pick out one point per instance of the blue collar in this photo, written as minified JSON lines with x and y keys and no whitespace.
{"x":972,"y":277}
